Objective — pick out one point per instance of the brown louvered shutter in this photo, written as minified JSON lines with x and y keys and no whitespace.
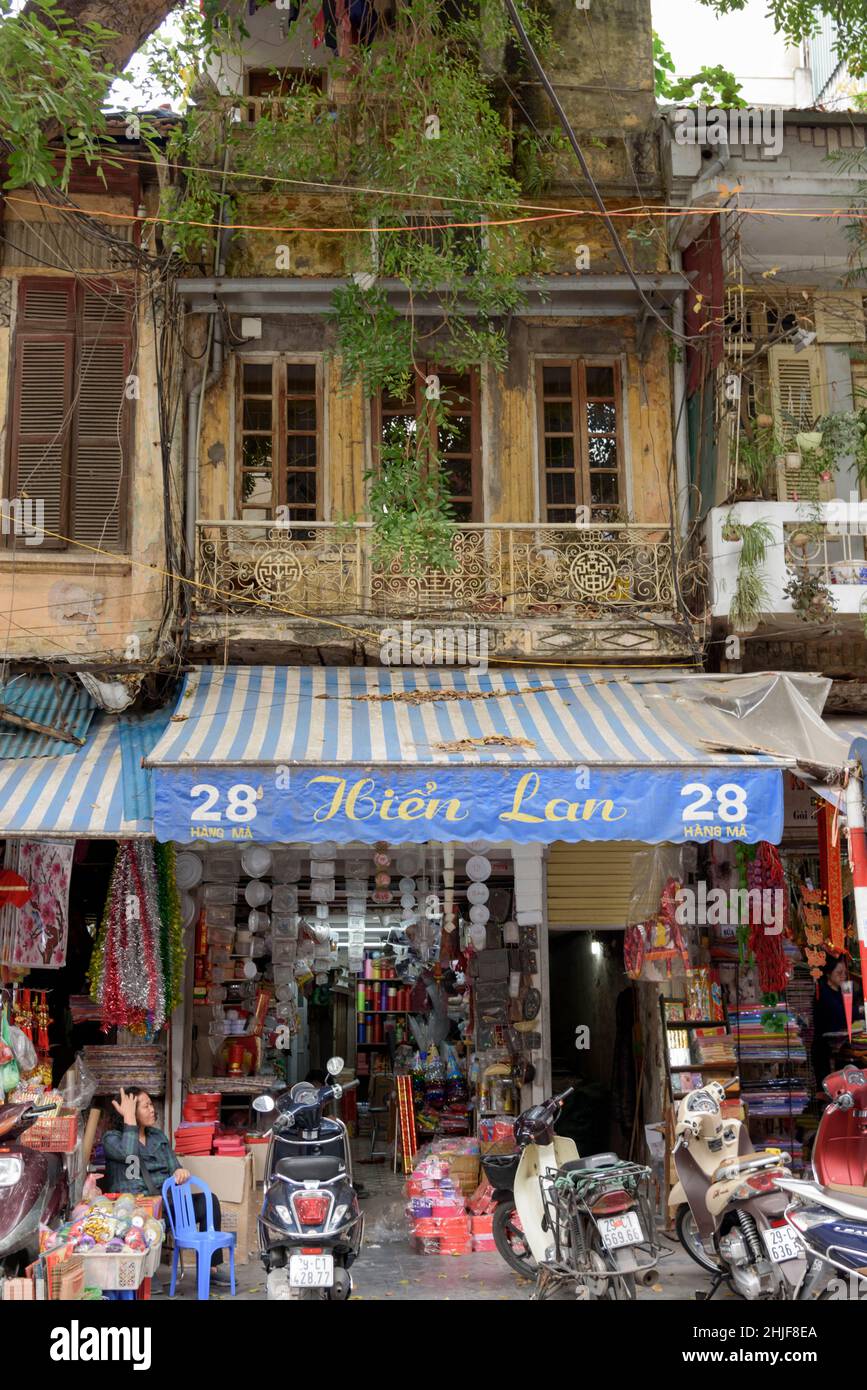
{"x":98,"y":500}
{"x":69,"y":419}
{"x":40,"y":433}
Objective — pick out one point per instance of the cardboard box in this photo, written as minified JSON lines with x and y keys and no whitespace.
{"x":232,"y":1181}
{"x":259,"y":1154}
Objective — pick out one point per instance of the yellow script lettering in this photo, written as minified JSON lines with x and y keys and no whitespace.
{"x":529,"y":783}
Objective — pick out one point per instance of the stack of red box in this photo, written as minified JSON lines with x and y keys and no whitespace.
{"x":195,"y":1134}
{"x":483,"y":1232}
{"x":230,"y":1145}
{"x":194,"y":1138}
{"x":202,"y":1108}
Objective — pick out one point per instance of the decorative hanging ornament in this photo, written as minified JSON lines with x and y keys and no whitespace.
{"x":14,"y":889}
{"x":478,"y":868}
{"x":477,"y":893}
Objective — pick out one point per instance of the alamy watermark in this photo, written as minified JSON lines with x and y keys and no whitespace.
{"x":131,"y":1345}
{"x":434,"y":646}
{"x":746,"y":125}
{"x":721,"y":907}
{"x":23,"y":516}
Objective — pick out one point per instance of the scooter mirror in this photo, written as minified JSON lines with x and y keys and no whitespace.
{"x":264,"y":1104}
{"x":334,"y":1066}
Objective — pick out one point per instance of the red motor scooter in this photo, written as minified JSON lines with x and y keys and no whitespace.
{"x":33,"y":1188}
{"x":840,"y":1148}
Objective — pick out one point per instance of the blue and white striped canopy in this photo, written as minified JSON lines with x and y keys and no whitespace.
{"x":97,"y":791}
{"x":296,"y":754}
{"x":259,"y":716}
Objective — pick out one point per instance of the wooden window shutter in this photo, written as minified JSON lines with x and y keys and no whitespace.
{"x":41,"y":404}
{"x":69,"y":416}
{"x":839,"y":316}
{"x":98,"y":505}
{"x":798,"y":399}
{"x":796,"y":390}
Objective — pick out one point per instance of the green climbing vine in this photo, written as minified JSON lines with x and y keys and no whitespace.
{"x":411,"y":117}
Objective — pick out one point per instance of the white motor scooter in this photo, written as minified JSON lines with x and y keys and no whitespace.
{"x":520,"y":1230}
{"x":541,"y":1151}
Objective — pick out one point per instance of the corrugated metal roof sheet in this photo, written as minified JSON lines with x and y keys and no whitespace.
{"x":139,"y":735}
{"x":52,"y":704}
{"x":102,"y":790}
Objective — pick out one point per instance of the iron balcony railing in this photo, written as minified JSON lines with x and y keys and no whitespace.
{"x":517,"y":570}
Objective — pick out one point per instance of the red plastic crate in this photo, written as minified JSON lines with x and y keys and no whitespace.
{"x":55,"y":1134}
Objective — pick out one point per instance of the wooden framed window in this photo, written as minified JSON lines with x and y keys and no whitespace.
{"x":457,"y":444}
{"x":69,"y":416}
{"x":580,"y":434}
{"x":268,"y":90}
{"x":280,"y":441}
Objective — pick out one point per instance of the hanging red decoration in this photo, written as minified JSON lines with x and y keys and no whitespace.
{"x":14,"y":889}
{"x":831,"y":873}
{"x":766,"y":881}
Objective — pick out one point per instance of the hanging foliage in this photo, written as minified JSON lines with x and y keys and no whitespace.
{"x":412,"y":144}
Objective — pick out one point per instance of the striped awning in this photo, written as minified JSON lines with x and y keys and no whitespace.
{"x":348,"y":716}
{"x":97,"y":791}
{"x":230,"y":762}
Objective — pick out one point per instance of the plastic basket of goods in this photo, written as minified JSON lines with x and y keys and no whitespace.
{"x":119,"y":1238}
{"x":123,"y":1270}
{"x":53,"y":1134}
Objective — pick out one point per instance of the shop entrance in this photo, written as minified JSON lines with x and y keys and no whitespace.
{"x":591,"y":1038}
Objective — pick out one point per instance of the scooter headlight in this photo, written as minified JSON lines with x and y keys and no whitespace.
{"x":10,"y":1169}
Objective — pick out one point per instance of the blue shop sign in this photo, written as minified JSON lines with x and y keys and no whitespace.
{"x":283,"y":804}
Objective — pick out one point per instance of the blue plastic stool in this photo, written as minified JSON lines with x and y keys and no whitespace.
{"x":187,"y":1236}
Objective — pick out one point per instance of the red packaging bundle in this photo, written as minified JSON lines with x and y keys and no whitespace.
{"x":230,"y":1145}
{"x":482,"y":1201}
{"x":194,"y":1138}
{"x":483,"y":1244}
{"x":482,"y":1225}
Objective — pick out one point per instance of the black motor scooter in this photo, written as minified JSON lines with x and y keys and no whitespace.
{"x":310,"y":1226}
{"x":33,"y":1188}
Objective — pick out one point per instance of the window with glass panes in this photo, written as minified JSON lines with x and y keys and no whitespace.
{"x":279,"y":440}
{"x":457,"y":443}
{"x":580,"y":440}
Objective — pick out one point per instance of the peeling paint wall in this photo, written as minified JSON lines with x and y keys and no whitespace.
{"x":55,"y":605}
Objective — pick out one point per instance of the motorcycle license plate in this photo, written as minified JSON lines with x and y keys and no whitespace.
{"x":617,"y":1231}
{"x":781,"y":1244}
{"x":311,"y":1271}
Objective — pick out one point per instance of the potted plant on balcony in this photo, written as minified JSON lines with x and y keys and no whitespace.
{"x":844,"y":435}
{"x":810,"y":593}
{"x":751,"y":593}
{"x":758,"y":450}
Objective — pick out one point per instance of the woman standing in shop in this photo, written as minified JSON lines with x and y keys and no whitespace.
{"x":139,"y":1158}
{"x":829,"y":1017}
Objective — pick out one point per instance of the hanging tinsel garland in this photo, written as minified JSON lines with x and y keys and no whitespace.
{"x":171,"y":927}
{"x":126,"y":973}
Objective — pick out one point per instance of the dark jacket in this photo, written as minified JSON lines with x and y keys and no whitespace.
{"x":135,"y":1167}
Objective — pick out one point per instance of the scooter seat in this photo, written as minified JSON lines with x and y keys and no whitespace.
{"x":320,"y":1167}
{"x":590,"y":1163}
{"x":856,"y":1195}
